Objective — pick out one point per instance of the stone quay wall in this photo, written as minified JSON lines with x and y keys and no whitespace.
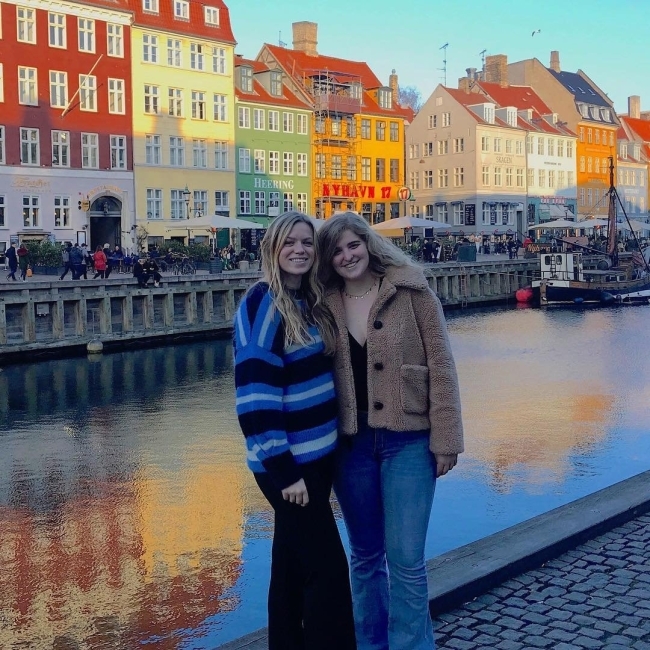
{"x":48,"y":316}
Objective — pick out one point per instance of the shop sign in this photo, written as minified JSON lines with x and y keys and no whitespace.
{"x":470,"y":214}
{"x":404,"y":193}
{"x":31,"y":184}
{"x":100,"y":189}
{"x":557,"y":200}
{"x":504,"y":159}
{"x":260,"y":183}
{"x":356,"y":191}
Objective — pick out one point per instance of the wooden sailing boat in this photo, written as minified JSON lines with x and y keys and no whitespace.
{"x":565,"y":281}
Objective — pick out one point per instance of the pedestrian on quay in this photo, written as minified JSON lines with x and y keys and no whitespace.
{"x":23,"y":261}
{"x":100,"y":263}
{"x":85,"y":261}
{"x":285,"y":400}
{"x":400,"y":425}
{"x":65,"y":258}
{"x":76,"y":260}
{"x":107,"y":254}
{"x":12,"y":260}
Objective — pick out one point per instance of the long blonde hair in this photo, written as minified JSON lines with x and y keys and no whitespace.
{"x":382,"y":252}
{"x":295,"y":321}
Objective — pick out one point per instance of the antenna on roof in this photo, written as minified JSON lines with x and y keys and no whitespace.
{"x":281,"y":43}
{"x":482,"y":55}
{"x":444,"y":62}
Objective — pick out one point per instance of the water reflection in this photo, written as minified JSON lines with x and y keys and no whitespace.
{"x":128,"y":517}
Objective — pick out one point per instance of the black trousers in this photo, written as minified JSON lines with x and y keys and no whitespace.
{"x":310,"y":603}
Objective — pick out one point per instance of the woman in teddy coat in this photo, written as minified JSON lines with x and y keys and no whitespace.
{"x":400,"y":425}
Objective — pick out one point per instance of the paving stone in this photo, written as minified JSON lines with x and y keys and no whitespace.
{"x":459,"y":644}
{"x":486,"y":615}
{"x":538,"y":641}
{"x":561,"y":635}
{"x":608,"y":626}
{"x":565,"y":625}
{"x":509,"y":645}
{"x":636,"y":632}
{"x":586,"y":642}
{"x":465,"y":633}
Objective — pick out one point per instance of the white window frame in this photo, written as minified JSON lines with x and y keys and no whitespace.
{"x":86,"y":35}
{"x":149,"y":48}
{"x":302,"y":167}
{"x":302,"y":123}
{"x":302,"y":202}
{"x":244,"y":156}
{"x":27,"y":86}
{"x":61,"y":211}
{"x":115,"y":40}
{"x":287,"y":163}
{"x":221,"y":155}
{"x":118,"y":152}
{"x":26,"y":25}
{"x":31,"y":205}
{"x":197,"y":56}
{"x":219,"y":64}
{"x":176,"y":151}
{"x":274,"y":120}
{"x":200,"y":201}
{"x":150,"y":6}
{"x":90,"y":151}
{"x":260,"y":202}
{"x":174,"y":52}
{"x":2,"y":83}
{"x":211,"y":16}
{"x":244,"y":202}
{"x":58,"y":89}
{"x":152,"y":149}
{"x":177,"y":204}
{"x":287,"y":122}
{"x":88,"y":93}
{"x":200,"y":153}
{"x":274,"y":162}
{"x":175,"y":102}
{"x":154,"y":203}
{"x":116,"y":97}
{"x":60,"y":148}
{"x":220,"y":107}
{"x":30,"y":146}
{"x":287,"y":201}
{"x":222,"y":200}
{"x":244,"y":117}
{"x":259,"y":119}
{"x":259,"y":161}
{"x":151,"y":96}
{"x":3,"y":157}
{"x":56,"y":30}
{"x":198,"y":105}
{"x":181,"y":10}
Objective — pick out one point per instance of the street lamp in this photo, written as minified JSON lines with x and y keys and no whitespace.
{"x":186,"y":196}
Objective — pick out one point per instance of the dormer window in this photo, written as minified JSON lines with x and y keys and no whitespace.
{"x":488,"y":113}
{"x":622,"y":150}
{"x":385,"y":98}
{"x":246,"y":79}
{"x":511,"y":116}
{"x":584,"y":110}
{"x":276,"y":83}
{"x":604,"y":113}
{"x":637,"y":151}
{"x":355,"y":91}
{"x":211,"y":15}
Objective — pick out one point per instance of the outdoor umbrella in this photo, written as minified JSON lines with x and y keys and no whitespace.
{"x":207,"y":222}
{"x":588,"y":224}
{"x":558,"y":224}
{"x":634,"y":224}
{"x":409,"y":222}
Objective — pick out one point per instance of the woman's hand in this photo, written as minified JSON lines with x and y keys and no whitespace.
{"x":444,"y":463}
{"x":296,"y":493}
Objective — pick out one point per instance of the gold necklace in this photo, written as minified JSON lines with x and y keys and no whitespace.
{"x":363,"y":295}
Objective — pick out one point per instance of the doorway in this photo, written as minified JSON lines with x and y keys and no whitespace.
{"x":105,"y":218}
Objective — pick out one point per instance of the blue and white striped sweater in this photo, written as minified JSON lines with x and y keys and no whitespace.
{"x":285,"y":397}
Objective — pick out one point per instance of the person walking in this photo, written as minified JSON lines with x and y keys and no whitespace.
{"x":400,"y":424}
{"x":107,"y":254}
{"x":99,"y":259}
{"x":65,"y":258}
{"x":76,"y":261}
{"x":23,"y":261}
{"x":285,"y":402}
{"x":12,"y":260}
{"x":85,"y":261}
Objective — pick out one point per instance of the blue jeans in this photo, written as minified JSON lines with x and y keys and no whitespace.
{"x":385,"y":482}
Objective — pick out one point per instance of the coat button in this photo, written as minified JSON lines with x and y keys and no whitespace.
{"x":378,"y":406}
{"x":378,"y":324}
{"x":379,"y":365}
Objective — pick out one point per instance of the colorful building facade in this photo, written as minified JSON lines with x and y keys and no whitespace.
{"x":637,"y":130}
{"x":357,"y":130}
{"x":273,"y":135}
{"x":183,"y":115}
{"x":66,"y":169}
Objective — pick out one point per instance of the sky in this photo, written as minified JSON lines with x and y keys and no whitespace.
{"x":607,"y":40}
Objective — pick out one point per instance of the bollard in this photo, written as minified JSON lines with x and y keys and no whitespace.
{"x":95,"y":347}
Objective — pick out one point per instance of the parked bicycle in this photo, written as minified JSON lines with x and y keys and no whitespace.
{"x":182,"y":265}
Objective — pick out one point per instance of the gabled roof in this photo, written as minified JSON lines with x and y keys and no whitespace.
{"x":261,"y":94}
{"x":580,"y":88}
{"x":640,"y":127}
{"x":521,"y":97}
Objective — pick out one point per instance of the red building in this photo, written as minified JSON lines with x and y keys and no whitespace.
{"x":65,"y":120}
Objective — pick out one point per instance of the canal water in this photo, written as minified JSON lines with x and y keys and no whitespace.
{"x":128,"y":518}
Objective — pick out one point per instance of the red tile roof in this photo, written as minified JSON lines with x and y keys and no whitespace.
{"x":520,"y":97}
{"x":640,"y":127}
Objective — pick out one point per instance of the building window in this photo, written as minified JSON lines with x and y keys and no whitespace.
{"x":589,"y":136}
{"x":394,"y":131}
{"x":520,"y":177}
{"x":427,"y":149}
{"x":597,"y":166}
{"x":529,"y":144}
{"x":320,"y":124}
{"x":394,"y":170}
{"x":196,"y":57}
{"x":498,"y":179}
{"x":176,"y":151}
{"x":443,"y":178}
{"x":175,"y":102}
{"x":87,"y":92}
{"x":149,"y":48}
{"x":150,"y":5}
{"x":61,"y":211}
{"x":276,"y":83}
{"x":114,"y":40}
{"x":432,"y":123}
{"x":287,"y":122}
{"x":541,"y":177}
{"x":459,"y":145}
{"x":486,"y":175}
{"x":274,"y":162}
{"x":550,"y":146}
{"x":551,"y":178}
{"x":288,"y":163}
{"x":26,"y":24}
{"x":154,"y":203}
{"x":540,"y":146}
{"x":89,"y":150}
{"x":301,"y":120}
{"x":508,"y":176}
{"x":320,"y":165}
{"x":200,"y":153}
{"x":531,"y":178}
{"x":301,"y":164}
{"x":177,"y":204}
{"x":582,"y":164}
{"x":58,"y":89}
{"x":365,"y":169}
{"x":519,"y":148}
{"x":244,"y":160}
{"x":365,"y":129}
{"x":200,"y":200}
{"x":508,"y":146}
{"x":174,"y":52}
{"x":2,"y":145}
{"x":337,"y":168}
{"x":385,"y":98}
{"x":560,"y":148}
{"x":597,"y":134}
{"x":302,"y":202}
{"x":31,"y":208}
{"x":56,"y":30}
{"x":459,"y":176}
{"x":244,"y":202}
{"x":569,"y":149}
{"x":246,"y":79}
{"x":220,"y":106}
{"x":288,"y":201}
{"x":414,"y":179}
{"x":380,"y":130}
{"x":581,"y":133}
{"x":211,"y":15}
{"x":151,"y":97}
{"x":259,"y":119}
{"x":428,"y":179}
{"x":30,"y":153}
{"x":152,"y":149}
{"x":485,"y":143}
{"x":198,"y":105}
{"x":485,"y":216}
{"x":182,"y":9}
{"x":589,"y":164}
{"x":442,"y":213}
{"x":561,"y":179}
{"x":259,"y":161}
{"x":219,"y":60}
{"x":27,"y":86}
{"x":221,"y":155}
{"x":443,"y":147}
{"x":221,"y":201}
{"x":116,"y":96}
{"x":351,"y":168}
{"x":459,"y":214}
{"x":260,"y":202}
{"x":446,"y":119}
{"x":497,"y":145}
{"x":244,"y":117}
{"x":86,"y":30}
{"x":380,"y":170}
{"x":351,"y":126}
{"x":60,"y":149}
{"x":274,"y":120}
{"x":118,"y":152}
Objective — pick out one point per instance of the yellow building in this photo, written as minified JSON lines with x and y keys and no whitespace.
{"x":357,"y":130}
{"x":183,"y":118}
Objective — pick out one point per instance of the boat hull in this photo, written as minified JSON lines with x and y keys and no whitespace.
{"x":573,"y":292}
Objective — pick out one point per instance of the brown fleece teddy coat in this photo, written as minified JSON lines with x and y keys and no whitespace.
{"x":412,"y":381}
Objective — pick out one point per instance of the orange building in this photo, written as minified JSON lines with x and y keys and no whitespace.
{"x":357,"y":130}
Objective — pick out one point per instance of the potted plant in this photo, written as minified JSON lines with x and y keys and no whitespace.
{"x":45,"y":256}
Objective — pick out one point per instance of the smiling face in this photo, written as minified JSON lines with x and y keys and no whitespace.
{"x":297,"y":254}
{"x":351,"y":259}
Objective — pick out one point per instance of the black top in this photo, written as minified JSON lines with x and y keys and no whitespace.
{"x":359,"y":359}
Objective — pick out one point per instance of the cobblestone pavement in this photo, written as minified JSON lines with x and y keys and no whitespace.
{"x":596,"y":596}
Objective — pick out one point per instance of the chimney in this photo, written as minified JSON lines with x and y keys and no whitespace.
{"x":464,"y":84}
{"x":471,"y":73}
{"x":496,"y":69}
{"x":555,"y":61}
{"x":394,"y":86}
{"x":634,"y":106}
{"x":305,"y":37}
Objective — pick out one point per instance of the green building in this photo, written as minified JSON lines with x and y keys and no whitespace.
{"x":273,"y":145}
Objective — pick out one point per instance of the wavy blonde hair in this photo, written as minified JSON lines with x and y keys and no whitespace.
{"x":296,"y":321}
{"x":382,"y":252}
